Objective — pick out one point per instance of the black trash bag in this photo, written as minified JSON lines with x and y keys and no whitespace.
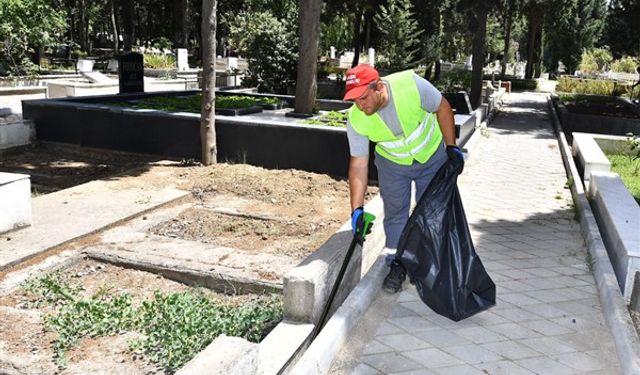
{"x":436,"y":249}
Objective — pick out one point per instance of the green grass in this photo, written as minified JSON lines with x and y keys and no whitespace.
{"x":192,"y":103}
{"x":333,"y":118}
{"x":629,"y":170}
{"x":173,"y":327}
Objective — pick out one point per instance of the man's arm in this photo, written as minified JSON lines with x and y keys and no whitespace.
{"x":358,"y":177}
{"x":447,"y":122}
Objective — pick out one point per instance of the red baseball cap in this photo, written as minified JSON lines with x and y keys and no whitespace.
{"x":358,"y":79}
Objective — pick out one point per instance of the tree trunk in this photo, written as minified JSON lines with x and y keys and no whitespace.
{"x":127,"y":20}
{"x":82,"y":28}
{"x":507,"y":39}
{"x":534,"y":24}
{"x":477,"y":64}
{"x":356,"y":40}
{"x":114,"y":24}
{"x":207,"y":114}
{"x":306,"y":84}
{"x":438,"y":70}
{"x":537,"y":55}
{"x":179,"y":23}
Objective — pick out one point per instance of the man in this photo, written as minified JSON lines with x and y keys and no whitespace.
{"x":413,"y":127}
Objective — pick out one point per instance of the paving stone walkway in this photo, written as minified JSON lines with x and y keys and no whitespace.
{"x":548,"y":318}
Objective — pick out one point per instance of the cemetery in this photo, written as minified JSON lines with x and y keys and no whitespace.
{"x":132,"y":244}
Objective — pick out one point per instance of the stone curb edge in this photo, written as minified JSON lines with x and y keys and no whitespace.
{"x":613,"y":306}
{"x":320,"y":355}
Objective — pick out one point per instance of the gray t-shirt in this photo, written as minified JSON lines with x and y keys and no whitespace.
{"x":430,"y":99}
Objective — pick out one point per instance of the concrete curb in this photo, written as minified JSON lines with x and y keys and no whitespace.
{"x":319,"y":357}
{"x":613,"y":306}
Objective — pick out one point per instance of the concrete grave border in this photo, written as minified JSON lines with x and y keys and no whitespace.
{"x":613,"y":305}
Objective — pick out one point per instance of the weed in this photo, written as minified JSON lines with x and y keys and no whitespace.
{"x":174,"y":326}
{"x":190,"y":162}
{"x":589,"y":261}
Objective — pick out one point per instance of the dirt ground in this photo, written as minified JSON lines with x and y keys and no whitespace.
{"x":286,"y":213}
{"x":26,"y":345}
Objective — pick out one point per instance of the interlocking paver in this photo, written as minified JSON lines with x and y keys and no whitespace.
{"x":548,"y":318}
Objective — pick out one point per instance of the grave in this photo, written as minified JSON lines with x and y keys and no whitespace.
{"x":131,"y":73}
{"x":15,"y":201}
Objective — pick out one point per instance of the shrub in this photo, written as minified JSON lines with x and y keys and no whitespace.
{"x":626,"y":64}
{"x":585,"y":86}
{"x":270,"y":46}
{"x":595,"y":60}
{"x":159,"y":61}
{"x":454,"y":81}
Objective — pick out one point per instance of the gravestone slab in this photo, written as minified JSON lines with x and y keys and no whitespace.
{"x":131,"y":73}
{"x":15,"y":201}
{"x":183,"y":60}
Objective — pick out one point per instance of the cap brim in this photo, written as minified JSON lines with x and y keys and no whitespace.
{"x":355,"y":92}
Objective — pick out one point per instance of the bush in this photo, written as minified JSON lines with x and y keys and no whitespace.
{"x":454,"y":81}
{"x":585,"y":86}
{"x":626,"y":64}
{"x":159,"y":61}
{"x":270,"y":46}
{"x":595,"y":60}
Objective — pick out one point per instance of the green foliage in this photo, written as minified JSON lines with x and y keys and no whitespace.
{"x":193,"y":103}
{"x":332,"y":118}
{"x":337,"y":32}
{"x":622,"y":30}
{"x":159,"y":61}
{"x":174,"y":326}
{"x":270,"y":46}
{"x":629,"y":170}
{"x":626,"y":64}
{"x":24,"y":26}
{"x":179,"y":325}
{"x":400,"y":36}
{"x":573,"y":27}
{"x":162,"y":43}
{"x":595,"y":60}
{"x":454,"y":81}
{"x":587,"y":86}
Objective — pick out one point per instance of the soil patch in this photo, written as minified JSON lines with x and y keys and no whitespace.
{"x":27,"y":343}
{"x":54,"y":167}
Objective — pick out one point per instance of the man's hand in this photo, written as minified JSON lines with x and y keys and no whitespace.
{"x":454,"y":153}
{"x":358,"y":224}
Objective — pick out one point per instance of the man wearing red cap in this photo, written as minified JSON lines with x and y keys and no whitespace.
{"x":413,"y":128}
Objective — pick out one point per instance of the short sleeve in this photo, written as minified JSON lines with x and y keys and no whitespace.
{"x":430,"y":96}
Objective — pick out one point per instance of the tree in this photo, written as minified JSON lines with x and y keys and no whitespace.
{"x":207,"y":114}
{"x":25,"y":26}
{"x":572,"y":28}
{"x":510,"y":13}
{"x":622,"y":30}
{"x":535,"y":15}
{"x":400,"y":36}
{"x":306,"y":85}
{"x":479,"y":27}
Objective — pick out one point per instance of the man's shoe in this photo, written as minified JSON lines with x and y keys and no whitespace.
{"x":393,"y":282}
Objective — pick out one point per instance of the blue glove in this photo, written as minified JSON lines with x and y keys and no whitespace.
{"x":358,"y":223}
{"x":455,"y":154}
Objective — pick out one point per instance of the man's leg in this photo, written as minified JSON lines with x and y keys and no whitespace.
{"x":395,"y":189}
{"x":426,"y":173}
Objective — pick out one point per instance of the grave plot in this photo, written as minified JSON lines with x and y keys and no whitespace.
{"x":54,"y":167}
{"x":243,"y":228}
{"x":99,"y":318}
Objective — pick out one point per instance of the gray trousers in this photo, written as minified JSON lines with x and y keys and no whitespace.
{"x":395,"y":189}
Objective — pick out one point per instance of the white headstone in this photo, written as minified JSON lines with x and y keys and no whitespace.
{"x":372,"y":56}
{"x":332,"y":52}
{"x":232,"y":63}
{"x":183,"y":60}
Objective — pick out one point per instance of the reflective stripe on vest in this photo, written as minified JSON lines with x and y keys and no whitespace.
{"x":412,"y":137}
